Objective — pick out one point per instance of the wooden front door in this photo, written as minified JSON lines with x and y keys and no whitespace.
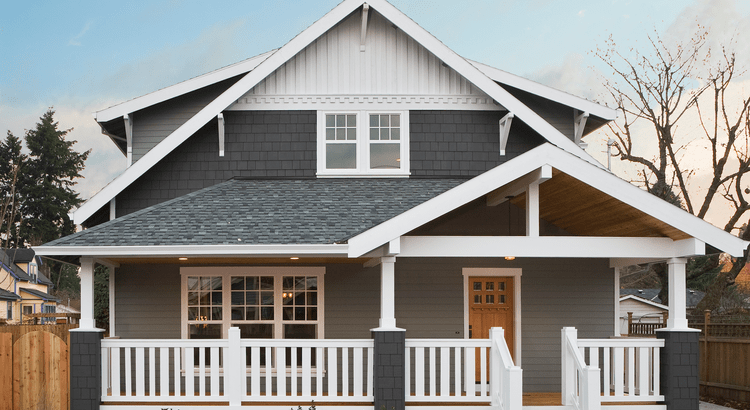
{"x":490,"y":305}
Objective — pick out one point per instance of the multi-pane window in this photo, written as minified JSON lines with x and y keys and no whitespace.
{"x":262,"y":302}
{"x":362,"y":143}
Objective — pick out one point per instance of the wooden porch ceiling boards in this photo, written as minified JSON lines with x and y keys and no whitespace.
{"x":235,"y":261}
{"x":583,"y":210}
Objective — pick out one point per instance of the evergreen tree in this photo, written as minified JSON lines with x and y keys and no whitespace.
{"x":47,"y":182}
{"x":11,"y":163}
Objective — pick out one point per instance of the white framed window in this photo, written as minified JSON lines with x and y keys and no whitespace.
{"x":363,"y":143}
{"x":263,"y":302}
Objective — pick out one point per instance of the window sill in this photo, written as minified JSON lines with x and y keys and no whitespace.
{"x":363,"y":175}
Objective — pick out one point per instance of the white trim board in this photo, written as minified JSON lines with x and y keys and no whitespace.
{"x":195,"y":250}
{"x":567,"y":163}
{"x":282,"y":55}
{"x":642,"y":300}
{"x":515,"y":273}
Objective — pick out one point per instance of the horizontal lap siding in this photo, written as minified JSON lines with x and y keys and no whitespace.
{"x":147,"y":302}
{"x":429,"y":303}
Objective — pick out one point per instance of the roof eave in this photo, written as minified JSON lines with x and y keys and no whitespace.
{"x":255,"y":251}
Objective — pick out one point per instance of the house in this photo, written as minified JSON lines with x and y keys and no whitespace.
{"x":364,"y":218}
{"x":645,"y":306}
{"x":23,"y":287}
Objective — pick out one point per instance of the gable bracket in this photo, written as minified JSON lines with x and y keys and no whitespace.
{"x":129,"y":137}
{"x":221,"y":134}
{"x":363,"y":34}
{"x":505,"y":130}
{"x":579,"y":124}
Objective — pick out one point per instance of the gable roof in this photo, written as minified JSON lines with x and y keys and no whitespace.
{"x":265,"y":212}
{"x":692,"y":297}
{"x":38,"y":293}
{"x":5,"y":295}
{"x":601,"y":180}
{"x":278,"y":57}
{"x":643,"y":301}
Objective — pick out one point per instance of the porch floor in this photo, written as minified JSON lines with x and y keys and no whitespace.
{"x":555,"y":399}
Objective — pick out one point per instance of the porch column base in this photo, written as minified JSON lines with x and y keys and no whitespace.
{"x":85,"y":369}
{"x":389,"y":369}
{"x":679,"y":369}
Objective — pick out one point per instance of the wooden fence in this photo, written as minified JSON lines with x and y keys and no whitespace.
{"x":34,"y":367}
{"x":725,"y":353}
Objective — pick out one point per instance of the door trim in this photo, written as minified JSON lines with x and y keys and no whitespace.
{"x":515,"y":273}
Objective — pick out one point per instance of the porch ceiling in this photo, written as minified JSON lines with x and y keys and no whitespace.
{"x":583,"y":210}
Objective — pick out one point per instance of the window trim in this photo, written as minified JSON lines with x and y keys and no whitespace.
{"x":226,"y":272}
{"x":362,"y":145}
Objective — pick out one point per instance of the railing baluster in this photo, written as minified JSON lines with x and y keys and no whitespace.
{"x":115,"y":374}
{"x":293,"y":371}
{"x":163,"y":371}
{"x":419,"y":371}
{"x":483,"y":370}
{"x":306,"y":371}
{"x":370,"y":367}
{"x":105,"y":371}
{"x":358,"y":371}
{"x":470,"y":371}
{"x":656,"y":364}
{"x":332,"y":372}
{"x":128,"y":373}
{"x":643,"y":371}
{"x":152,"y":371}
{"x":140,"y":376}
{"x":176,"y":358}
{"x":630,"y":370}
{"x":269,"y":371}
{"x":433,"y":365}
{"x":215,"y":371}
{"x":320,"y":364}
{"x":281,"y":371}
{"x":255,"y":371}
{"x":445,"y":371}
{"x":606,"y":371}
{"x":457,"y":368}
{"x":344,"y":371}
{"x":202,"y":371}
{"x":619,"y":370}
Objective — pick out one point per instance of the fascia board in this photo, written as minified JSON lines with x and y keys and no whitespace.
{"x":622,"y":190}
{"x":196,"y":250}
{"x":177,"y":137}
{"x":644,"y":301}
{"x":127,"y":107}
{"x":479,"y":79}
{"x":448,"y":201}
{"x":550,"y":93}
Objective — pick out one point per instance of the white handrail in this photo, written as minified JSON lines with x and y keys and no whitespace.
{"x":580,"y":382}
{"x":506,"y":379}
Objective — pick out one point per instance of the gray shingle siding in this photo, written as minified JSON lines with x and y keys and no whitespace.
{"x":463,"y":143}
{"x":257,"y":144}
{"x":151,"y":125}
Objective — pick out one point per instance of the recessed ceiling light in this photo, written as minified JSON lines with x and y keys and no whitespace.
{"x":510,"y":258}
{"x":294,"y":258}
{"x":182,"y":259}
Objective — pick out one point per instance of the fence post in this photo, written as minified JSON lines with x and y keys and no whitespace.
{"x":591,"y":392}
{"x":568,"y":381}
{"x":630,"y":323}
{"x":497,"y":334}
{"x":233,"y":376}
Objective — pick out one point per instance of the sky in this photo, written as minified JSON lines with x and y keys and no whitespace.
{"x":84,"y":56}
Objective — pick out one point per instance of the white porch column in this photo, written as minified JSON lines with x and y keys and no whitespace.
{"x":87,"y":294}
{"x":388,"y":292}
{"x":677,"y":290}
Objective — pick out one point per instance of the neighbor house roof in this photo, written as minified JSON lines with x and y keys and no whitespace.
{"x":41,"y":295}
{"x":5,"y":295}
{"x":9,"y":264}
{"x":652,"y":295}
{"x":263,"y":211}
{"x":277,"y":58}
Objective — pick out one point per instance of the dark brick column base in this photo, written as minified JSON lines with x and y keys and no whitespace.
{"x":679,"y":369}
{"x":390,"y":370}
{"x":85,"y":370}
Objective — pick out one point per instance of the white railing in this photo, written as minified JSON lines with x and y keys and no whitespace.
{"x":630,"y":367}
{"x":457,"y":370}
{"x":506,"y":379}
{"x":234,"y":370}
{"x":580,"y":382}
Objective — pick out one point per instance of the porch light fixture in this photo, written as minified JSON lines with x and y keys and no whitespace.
{"x":510,"y":258}
{"x":182,"y":259}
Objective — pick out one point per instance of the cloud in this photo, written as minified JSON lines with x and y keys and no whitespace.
{"x":582,"y":13}
{"x":571,"y":76}
{"x":76,"y":41}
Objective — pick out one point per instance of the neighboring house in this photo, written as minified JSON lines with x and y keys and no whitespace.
{"x":646,"y":306}
{"x":365,"y":187}
{"x":24,"y":288}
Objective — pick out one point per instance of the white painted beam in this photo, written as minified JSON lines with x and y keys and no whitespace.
{"x":539,"y":247}
{"x":221,"y":134}
{"x":113,"y":209}
{"x":363,"y":33}
{"x":579,"y":123}
{"x":87,"y":295}
{"x":677,"y":290}
{"x":518,"y":186}
{"x":532,"y":209}
{"x":394,"y":247}
{"x":505,"y":131}
{"x":387,"y":293}
{"x":129,"y":136}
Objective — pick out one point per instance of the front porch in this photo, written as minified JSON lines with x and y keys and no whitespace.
{"x":455,"y":373}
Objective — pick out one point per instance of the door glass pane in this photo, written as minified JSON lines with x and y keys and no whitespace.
{"x":501,"y":286}
{"x":490,"y":299}
{"x":502,"y":299}
{"x":489,"y":286}
{"x":477,"y":286}
{"x":477,"y":299}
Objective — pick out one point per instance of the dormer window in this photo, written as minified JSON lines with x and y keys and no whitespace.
{"x":33,"y":271}
{"x":363,"y":143}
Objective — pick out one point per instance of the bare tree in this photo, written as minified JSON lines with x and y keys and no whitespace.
{"x":665,"y":88}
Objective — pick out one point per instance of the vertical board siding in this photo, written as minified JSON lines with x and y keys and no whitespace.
{"x":392,"y":63}
{"x":151,"y":125}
